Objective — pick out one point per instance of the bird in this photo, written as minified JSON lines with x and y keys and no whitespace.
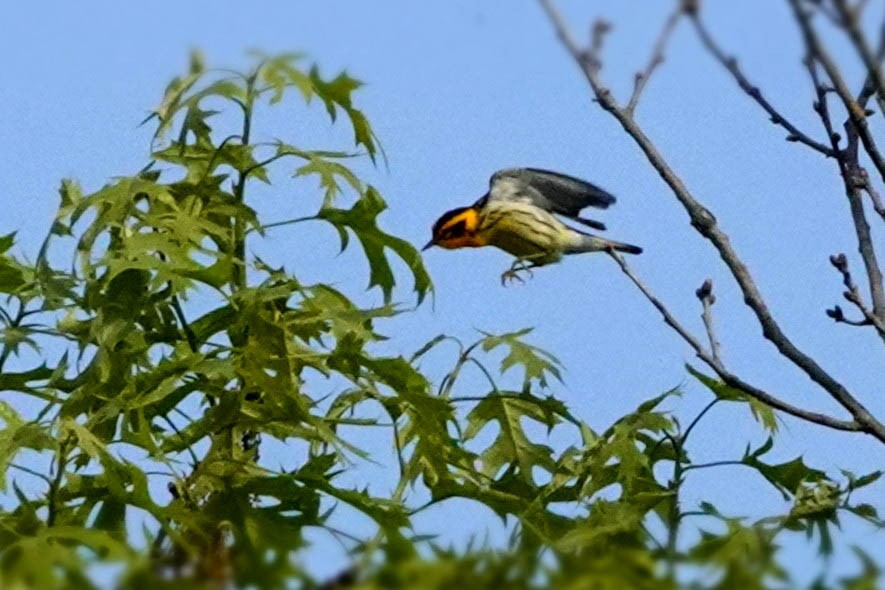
{"x":519,"y":213}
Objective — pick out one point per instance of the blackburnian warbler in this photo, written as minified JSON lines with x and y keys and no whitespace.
{"x":519,"y":215}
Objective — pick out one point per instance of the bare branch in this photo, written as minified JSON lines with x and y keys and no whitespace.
{"x":564,"y":33}
{"x":731,"y":64}
{"x":657,"y":58}
{"x":853,"y":296}
{"x":668,"y":317}
{"x":856,"y":113}
{"x":869,"y":86}
{"x":850,"y":22}
{"x":727,"y":377}
{"x":705,"y":223}
{"x":855,"y":179}
{"x":707,"y":299}
{"x":838,"y":316}
{"x":853,"y":183}
{"x":868,"y":188}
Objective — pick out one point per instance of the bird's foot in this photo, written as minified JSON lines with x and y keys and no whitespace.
{"x":511,"y":275}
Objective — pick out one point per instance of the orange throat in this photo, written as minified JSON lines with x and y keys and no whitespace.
{"x":466,"y":241}
{"x":459,"y":229}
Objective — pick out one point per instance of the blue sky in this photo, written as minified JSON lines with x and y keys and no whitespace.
{"x":457,"y":90}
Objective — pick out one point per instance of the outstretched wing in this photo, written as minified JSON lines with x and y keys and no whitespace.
{"x":552,"y":191}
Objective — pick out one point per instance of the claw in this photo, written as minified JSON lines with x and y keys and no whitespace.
{"x":507,"y":277}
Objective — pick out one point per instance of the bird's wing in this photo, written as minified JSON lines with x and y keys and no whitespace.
{"x":552,"y":191}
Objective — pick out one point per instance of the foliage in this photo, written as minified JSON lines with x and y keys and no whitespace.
{"x":168,"y":356}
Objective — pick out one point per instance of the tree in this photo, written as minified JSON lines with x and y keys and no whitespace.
{"x":170,"y":356}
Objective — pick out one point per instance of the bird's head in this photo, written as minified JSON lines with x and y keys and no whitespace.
{"x":456,"y":229}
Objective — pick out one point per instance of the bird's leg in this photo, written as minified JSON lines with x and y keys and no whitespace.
{"x":521,"y":264}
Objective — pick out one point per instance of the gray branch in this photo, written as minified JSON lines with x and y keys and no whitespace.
{"x":850,"y":21}
{"x":855,"y":179}
{"x":731,"y":65}
{"x":856,"y":114}
{"x":657,"y":58}
{"x":727,"y":377}
{"x":705,"y":223}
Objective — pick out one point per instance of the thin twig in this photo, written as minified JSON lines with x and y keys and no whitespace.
{"x":61,"y":462}
{"x":850,"y":22}
{"x":870,"y":190}
{"x":854,"y":181}
{"x":853,"y":296}
{"x":727,"y":377}
{"x":856,"y":114}
{"x":705,"y":295}
{"x":697,"y":419}
{"x":712,"y":464}
{"x":185,"y":326}
{"x":839,"y":317}
{"x":562,"y":30}
{"x":669,"y":319}
{"x":705,"y":223}
{"x":657,"y":58}
{"x":855,"y":178}
{"x":731,"y":65}
{"x":869,"y":86}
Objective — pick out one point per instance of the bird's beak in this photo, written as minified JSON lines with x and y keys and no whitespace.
{"x":428,"y":245}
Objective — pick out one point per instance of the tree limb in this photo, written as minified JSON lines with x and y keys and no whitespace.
{"x":705,"y":223}
{"x":727,"y":377}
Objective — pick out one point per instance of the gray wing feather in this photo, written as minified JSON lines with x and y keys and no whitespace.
{"x":555,"y":192}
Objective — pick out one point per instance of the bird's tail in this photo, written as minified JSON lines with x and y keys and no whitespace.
{"x":587,"y":243}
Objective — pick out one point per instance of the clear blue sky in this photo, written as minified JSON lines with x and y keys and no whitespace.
{"x":457,"y":90}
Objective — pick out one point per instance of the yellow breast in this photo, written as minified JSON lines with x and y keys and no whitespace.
{"x":523,"y":230}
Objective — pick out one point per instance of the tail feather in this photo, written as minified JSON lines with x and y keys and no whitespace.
{"x":588,"y":243}
{"x":625,"y":248}
{"x":590,"y":223}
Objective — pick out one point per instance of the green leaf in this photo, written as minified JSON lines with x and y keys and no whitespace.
{"x":855,"y":483}
{"x":338,"y":93}
{"x":535,"y":362}
{"x":332,"y":175}
{"x":12,"y":273}
{"x":174,"y":96}
{"x":280,"y":73}
{"x":361,"y":219}
{"x":786,"y":477}
{"x":6,"y":242}
{"x":867,"y":512}
{"x":762,"y":413}
{"x":743,"y":556}
{"x":17,"y":434}
{"x":607,"y":522}
{"x":512,"y":447}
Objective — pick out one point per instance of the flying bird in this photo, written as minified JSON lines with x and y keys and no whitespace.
{"x":518,"y":214}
